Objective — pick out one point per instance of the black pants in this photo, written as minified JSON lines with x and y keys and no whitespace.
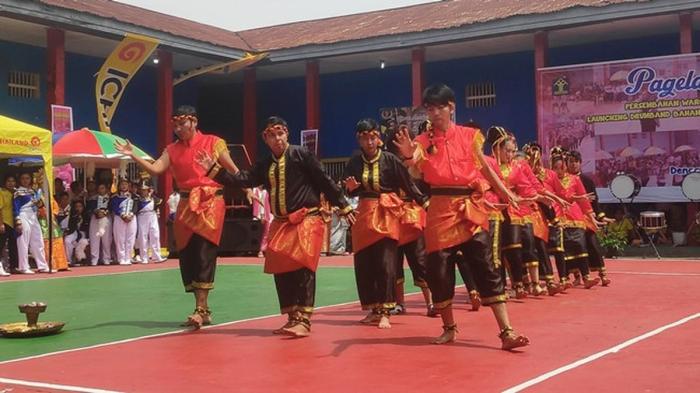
{"x":375,"y":274}
{"x":596,"y":262}
{"x":414,"y":252}
{"x":477,"y":253}
{"x":576,"y":256}
{"x":519,"y":249}
{"x":9,"y":237}
{"x":545,"y":265}
{"x":198,"y":263}
{"x":495,"y":240}
{"x":296,"y":291}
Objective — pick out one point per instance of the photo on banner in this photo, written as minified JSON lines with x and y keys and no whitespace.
{"x":62,"y":123}
{"x":309,"y":139}
{"x":639,"y":117}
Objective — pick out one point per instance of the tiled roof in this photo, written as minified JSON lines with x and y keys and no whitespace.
{"x":153,"y":20}
{"x":444,"y":14}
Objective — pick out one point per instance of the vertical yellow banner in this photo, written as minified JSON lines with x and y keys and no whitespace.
{"x":116,"y":72}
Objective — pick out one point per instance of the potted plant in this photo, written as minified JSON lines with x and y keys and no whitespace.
{"x":613,"y":242}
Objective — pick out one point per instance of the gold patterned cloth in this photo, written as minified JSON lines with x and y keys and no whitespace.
{"x":412,"y":221}
{"x":453,"y":220}
{"x":294,"y":242}
{"x":202,"y":213}
{"x":377,"y":218}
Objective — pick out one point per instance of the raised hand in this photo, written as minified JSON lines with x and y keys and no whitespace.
{"x":125,"y":148}
{"x":403,"y":142}
{"x":204,"y":160}
{"x":351,"y":184}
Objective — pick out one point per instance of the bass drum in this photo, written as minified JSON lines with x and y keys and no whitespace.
{"x":691,"y":186}
{"x":625,"y":186}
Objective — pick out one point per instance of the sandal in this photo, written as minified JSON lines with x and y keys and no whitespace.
{"x":475,"y":300}
{"x":511,"y":340}
{"x":590,"y":283}
{"x":198,"y":318}
{"x":520,"y":292}
{"x":287,"y":325}
{"x":301,"y":327}
{"x":432,"y":311}
{"x":449,"y":335}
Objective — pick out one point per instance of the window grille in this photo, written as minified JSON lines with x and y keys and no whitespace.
{"x":481,"y":95}
{"x":23,"y":85}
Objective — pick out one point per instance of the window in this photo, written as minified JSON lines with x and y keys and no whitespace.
{"x":481,"y":95}
{"x":23,"y":85}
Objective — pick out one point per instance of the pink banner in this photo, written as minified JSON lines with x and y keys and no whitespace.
{"x":640,"y":117}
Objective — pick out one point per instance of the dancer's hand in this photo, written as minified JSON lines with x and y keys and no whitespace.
{"x":351,"y":184}
{"x":204,"y":160}
{"x":403,"y":142}
{"x":125,"y":148}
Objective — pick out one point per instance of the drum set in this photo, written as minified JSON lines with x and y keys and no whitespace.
{"x":626,"y":187}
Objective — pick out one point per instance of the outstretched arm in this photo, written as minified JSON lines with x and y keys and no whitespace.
{"x":155,"y":168}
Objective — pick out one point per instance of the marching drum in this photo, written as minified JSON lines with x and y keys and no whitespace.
{"x":652,"y":222}
{"x":625,"y":186}
{"x":691,"y":186}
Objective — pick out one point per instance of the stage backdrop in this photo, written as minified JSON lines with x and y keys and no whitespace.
{"x":637,"y":116}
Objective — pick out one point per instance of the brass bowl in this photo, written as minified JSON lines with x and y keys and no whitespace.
{"x":21,"y":329}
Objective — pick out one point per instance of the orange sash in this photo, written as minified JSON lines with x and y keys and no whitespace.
{"x":202,"y":213}
{"x":412,"y":223}
{"x":377,"y":218}
{"x":540,"y":228}
{"x":294,"y":243}
{"x":453,"y":220}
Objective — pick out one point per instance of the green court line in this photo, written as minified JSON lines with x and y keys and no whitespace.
{"x":101,"y":309}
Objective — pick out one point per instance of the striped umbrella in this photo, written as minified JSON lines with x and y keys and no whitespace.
{"x":84,"y":146}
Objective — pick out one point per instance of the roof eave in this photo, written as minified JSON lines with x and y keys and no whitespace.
{"x":513,"y":25}
{"x":56,"y":16}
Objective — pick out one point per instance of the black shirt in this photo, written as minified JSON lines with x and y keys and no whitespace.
{"x":384,"y":173}
{"x":294,"y":181}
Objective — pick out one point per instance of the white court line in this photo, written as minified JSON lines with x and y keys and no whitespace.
{"x":655,"y":273}
{"x":598,"y":355}
{"x":52,"y":386}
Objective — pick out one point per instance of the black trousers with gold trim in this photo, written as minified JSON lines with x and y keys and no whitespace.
{"x":519,"y":249}
{"x":545,"y":264}
{"x":198,"y":263}
{"x":556,"y":248}
{"x":296,"y":290}
{"x":477,"y":253}
{"x":596,"y":262}
{"x":417,"y":261}
{"x":495,"y":241}
{"x":576,"y":256}
{"x":375,"y":274}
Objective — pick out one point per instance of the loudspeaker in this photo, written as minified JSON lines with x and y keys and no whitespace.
{"x":241,"y":236}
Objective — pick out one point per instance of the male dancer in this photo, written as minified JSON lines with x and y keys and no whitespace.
{"x":200,"y":214}
{"x":451,"y":160}
{"x":294,"y":178}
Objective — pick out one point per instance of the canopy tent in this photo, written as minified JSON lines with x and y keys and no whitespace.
{"x":19,"y":139}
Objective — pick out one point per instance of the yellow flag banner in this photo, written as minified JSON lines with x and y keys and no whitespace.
{"x":224,"y":68}
{"x":116,"y":72}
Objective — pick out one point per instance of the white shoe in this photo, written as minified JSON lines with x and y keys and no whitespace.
{"x":45,"y":270}
{"x":3,"y":273}
{"x":107,"y":263}
{"x":137,"y":258}
{"x":160,"y":260}
{"x":125,"y":263}
{"x":28,"y":271}
{"x":143,"y":261}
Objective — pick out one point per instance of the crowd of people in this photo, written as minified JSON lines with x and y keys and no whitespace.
{"x":652,"y":171}
{"x":89,"y":226}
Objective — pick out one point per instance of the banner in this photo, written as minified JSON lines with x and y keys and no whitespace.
{"x":116,"y":72}
{"x":224,"y":68}
{"x":61,"y":119}
{"x":640,"y":117}
{"x":309,"y":139}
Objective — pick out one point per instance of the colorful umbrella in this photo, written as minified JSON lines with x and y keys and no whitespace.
{"x":85,"y":145}
{"x":630,"y":151}
{"x":654,"y":151}
{"x":684,"y":148}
